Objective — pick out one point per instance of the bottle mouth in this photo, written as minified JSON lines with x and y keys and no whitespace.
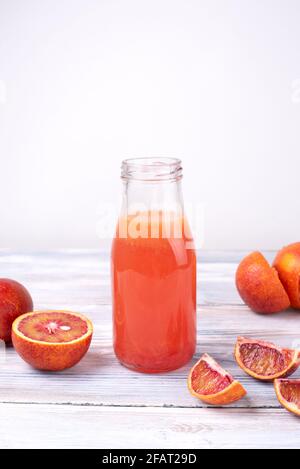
{"x":152,"y":169}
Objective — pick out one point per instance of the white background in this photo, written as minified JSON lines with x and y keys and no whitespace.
{"x":86,"y":83}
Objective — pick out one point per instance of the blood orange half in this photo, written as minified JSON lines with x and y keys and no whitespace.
{"x":52,"y":340}
{"x":259,"y":285}
{"x":288,"y":394}
{"x":264,"y":361}
{"x":211,"y":384}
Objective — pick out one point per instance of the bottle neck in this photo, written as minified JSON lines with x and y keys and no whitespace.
{"x":152,"y":184}
{"x":152,"y":169}
{"x":152,"y":200}
{"x":141,"y":196}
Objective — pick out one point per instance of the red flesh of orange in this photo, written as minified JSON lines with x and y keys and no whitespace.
{"x":56,"y":327}
{"x":264,"y":361}
{"x":52,"y":340}
{"x":288,"y":394}
{"x":211,"y":384}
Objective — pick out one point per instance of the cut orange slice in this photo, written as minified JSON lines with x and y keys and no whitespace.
{"x":288,"y":394}
{"x":264,"y":361}
{"x":211,"y":384}
{"x":52,"y":340}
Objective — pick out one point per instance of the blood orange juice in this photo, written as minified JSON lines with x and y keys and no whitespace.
{"x":154,"y":292}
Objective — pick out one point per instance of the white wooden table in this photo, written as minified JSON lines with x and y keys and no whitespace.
{"x":100,"y":404}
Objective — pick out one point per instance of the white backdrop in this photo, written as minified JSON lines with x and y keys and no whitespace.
{"x":85,"y":83}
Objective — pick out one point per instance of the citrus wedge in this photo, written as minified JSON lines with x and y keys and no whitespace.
{"x":211,"y":384}
{"x":52,"y":340}
{"x":288,"y":394}
{"x":264,"y":361}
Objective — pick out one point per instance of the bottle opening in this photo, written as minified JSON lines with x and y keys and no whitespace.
{"x":152,"y":169}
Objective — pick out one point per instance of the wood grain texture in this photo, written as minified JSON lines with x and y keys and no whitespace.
{"x":100,"y":380}
{"x":46,"y":426}
{"x":138,"y":409}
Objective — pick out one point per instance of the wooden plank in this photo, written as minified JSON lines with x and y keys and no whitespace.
{"x":80,"y":281}
{"x":100,"y":380}
{"x":84,"y":276}
{"x":46,"y":426}
{"x":114,"y":407}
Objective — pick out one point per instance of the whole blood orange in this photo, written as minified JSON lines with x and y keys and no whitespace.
{"x":264,"y":361}
{"x":259,"y":285}
{"x":288,"y":394}
{"x":287,"y":264}
{"x":52,"y":340}
{"x":14,"y":301}
{"x":211,"y":384}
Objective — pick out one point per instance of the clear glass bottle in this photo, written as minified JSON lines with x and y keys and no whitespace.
{"x":153,"y":270}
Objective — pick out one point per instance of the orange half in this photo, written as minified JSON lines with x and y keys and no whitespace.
{"x":259,"y":285}
{"x":52,"y":340}
{"x":211,"y":384}
{"x":288,"y":394}
{"x":287,"y":264}
{"x":264,"y":361}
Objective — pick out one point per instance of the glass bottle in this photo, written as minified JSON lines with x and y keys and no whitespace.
{"x":153,"y":269}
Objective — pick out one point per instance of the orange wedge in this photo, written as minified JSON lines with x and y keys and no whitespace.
{"x":211,"y":384}
{"x":288,"y":394}
{"x":264,"y":361}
